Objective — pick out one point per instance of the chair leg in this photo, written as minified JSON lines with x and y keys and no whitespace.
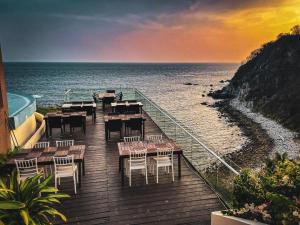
{"x":59,"y":181}
{"x":74,"y":178}
{"x":129,"y":177}
{"x":55,"y":182}
{"x":77,"y":176}
{"x":146,"y":175}
{"x":173,"y":172}
{"x":157,"y":174}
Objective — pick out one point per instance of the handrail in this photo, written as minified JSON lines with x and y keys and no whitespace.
{"x":195,"y":138}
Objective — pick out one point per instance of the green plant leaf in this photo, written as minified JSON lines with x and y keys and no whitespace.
{"x":25,"y":216}
{"x":11,"y":205}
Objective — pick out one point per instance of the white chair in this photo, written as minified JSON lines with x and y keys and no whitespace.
{"x":132,"y":139}
{"x":44,"y":144}
{"x":137,"y":161}
{"x":154,"y":137}
{"x":64,"y":143}
{"x":164,"y":159}
{"x":65,"y":167}
{"x":27,"y":168}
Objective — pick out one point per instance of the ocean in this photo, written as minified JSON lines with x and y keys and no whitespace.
{"x":164,"y":83}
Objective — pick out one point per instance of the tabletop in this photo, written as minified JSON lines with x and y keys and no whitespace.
{"x":123,"y":117}
{"x":106,"y":95}
{"x":69,"y":105}
{"x":125,"y":148}
{"x":45,"y":155}
{"x":65,"y":114}
{"x":114,"y":104}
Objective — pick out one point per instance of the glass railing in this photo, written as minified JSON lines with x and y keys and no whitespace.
{"x":218,"y":172}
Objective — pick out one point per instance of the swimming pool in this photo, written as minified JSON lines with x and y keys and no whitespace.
{"x":20,"y":107}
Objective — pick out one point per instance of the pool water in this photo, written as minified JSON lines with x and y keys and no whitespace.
{"x":20,"y":107}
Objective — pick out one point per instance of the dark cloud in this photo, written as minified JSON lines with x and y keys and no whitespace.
{"x":45,"y":29}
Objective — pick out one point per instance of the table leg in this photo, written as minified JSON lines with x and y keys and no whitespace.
{"x":79,"y":173}
{"x":83,"y":168}
{"x":94,"y":116}
{"x":122,"y":170}
{"x":106,"y":132}
{"x":47,"y":127}
{"x":179,"y":166}
{"x":119,"y":164}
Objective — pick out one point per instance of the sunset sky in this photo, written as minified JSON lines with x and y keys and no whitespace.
{"x":141,"y":30}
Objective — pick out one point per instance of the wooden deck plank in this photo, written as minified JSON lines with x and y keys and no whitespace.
{"x":103,"y":200}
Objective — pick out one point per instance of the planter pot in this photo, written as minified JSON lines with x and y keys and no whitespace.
{"x":217,"y":218}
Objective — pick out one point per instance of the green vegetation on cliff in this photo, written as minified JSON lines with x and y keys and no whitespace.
{"x":270,"y":80}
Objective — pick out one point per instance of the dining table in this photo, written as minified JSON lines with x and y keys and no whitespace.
{"x":151,"y":147}
{"x":87,"y":106}
{"x":106,"y":98}
{"x":124,"y":118}
{"x":127,"y":104}
{"x":45,"y":156}
{"x":65,"y":116}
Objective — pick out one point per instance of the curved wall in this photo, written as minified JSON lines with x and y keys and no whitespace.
{"x":20,"y":108}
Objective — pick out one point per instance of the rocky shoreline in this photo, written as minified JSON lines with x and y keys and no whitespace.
{"x":259,"y":146}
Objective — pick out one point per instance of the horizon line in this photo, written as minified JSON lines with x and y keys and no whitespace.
{"x":127,"y":62}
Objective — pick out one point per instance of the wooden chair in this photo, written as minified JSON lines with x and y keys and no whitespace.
{"x":134,"y":109}
{"x":65,"y":167}
{"x":54,"y":121}
{"x":135,"y":124}
{"x":137,"y":161}
{"x":114,"y":126}
{"x":121,"y":109}
{"x":27,"y":168}
{"x":107,"y":101}
{"x":64,"y":143}
{"x":76,"y":121}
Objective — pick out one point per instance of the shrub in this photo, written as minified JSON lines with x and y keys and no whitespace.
{"x":28,"y":202}
{"x":270,"y":195}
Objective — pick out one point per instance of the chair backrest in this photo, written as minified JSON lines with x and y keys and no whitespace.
{"x":110,"y":91}
{"x":108,"y":100}
{"x":76,"y":120}
{"x":133,"y":108}
{"x":131,"y":101}
{"x":64,"y":164}
{"x":120,"y":109}
{"x":154,"y":138}
{"x":88,"y":109}
{"x":54,"y":121}
{"x":64,"y":143}
{"x":135,"y":123}
{"x":132,"y":139}
{"x":138,"y":157}
{"x":165,"y":152}
{"x":27,"y":168}
{"x":113,"y":114}
{"x":43,"y":144}
{"x":114,"y":125}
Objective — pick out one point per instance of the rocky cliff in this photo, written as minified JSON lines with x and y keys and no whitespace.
{"x":269,"y":82}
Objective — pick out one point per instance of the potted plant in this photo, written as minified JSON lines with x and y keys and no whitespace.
{"x":28,"y":202}
{"x":270,"y":195}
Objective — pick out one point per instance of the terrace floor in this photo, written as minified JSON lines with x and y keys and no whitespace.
{"x":103,"y":200}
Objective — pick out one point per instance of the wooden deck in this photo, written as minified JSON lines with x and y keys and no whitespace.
{"x":103,"y":200}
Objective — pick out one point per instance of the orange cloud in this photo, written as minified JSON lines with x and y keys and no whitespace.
{"x":199,"y":36}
